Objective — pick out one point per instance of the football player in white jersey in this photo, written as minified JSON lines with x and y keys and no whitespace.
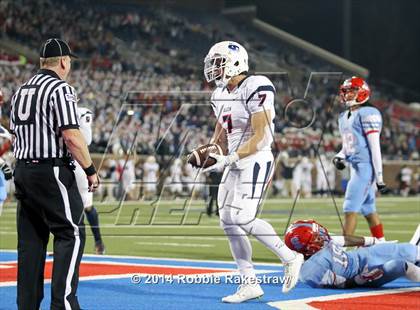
{"x":85,"y":117}
{"x":244,"y":108}
{"x":150,"y":177}
{"x":321,"y":175}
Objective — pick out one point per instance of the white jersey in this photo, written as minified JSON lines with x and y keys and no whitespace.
{"x":406,"y":174}
{"x":233,"y":110}
{"x":176,"y":173}
{"x":85,"y":117}
{"x":150,"y":172}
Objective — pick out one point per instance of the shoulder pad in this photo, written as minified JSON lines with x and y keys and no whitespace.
{"x":368,"y":110}
{"x":255,"y":81}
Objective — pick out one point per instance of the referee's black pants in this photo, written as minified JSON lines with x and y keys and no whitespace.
{"x":48,"y":201}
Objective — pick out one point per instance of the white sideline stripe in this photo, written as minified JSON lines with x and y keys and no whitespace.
{"x":163,"y":258}
{"x":302,"y":304}
{"x":76,"y":247}
{"x":5,"y":265}
{"x":152,"y":265}
{"x":221,"y":238}
{"x":279,"y":264}
{"x":192,"y":245}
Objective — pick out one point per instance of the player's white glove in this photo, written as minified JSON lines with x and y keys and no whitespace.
{"x":222,"y":161}
{"x":372,"y":241}
{"x":368,"y":276}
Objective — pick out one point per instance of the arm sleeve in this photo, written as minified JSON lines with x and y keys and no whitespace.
{"x":375,"y":149}
{"x":261,"y":98}
{"x":65,"y":107}
{"x":371,"y":126}
{"x":341,"y":154}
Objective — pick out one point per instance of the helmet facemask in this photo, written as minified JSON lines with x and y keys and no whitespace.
{"x":224,"y":61}
{"x":215,"y":68}
{"x":349,"y":96}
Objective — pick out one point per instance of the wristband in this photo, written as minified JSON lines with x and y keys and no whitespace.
{"x":369,"y":241}
{"x":339,"y":240}
{"x":90,"y":170}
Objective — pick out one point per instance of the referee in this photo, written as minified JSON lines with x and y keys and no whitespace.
{"x":44,"y":122}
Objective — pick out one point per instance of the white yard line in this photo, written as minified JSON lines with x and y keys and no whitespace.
{"x":191,"y":245}
{"x":162,"y":258}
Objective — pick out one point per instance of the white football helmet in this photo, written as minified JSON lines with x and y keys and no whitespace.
{"x":225,"y":60}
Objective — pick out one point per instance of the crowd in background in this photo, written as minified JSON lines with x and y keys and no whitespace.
{"x":140,"y":73}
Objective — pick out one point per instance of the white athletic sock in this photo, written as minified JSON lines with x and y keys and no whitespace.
{"x":413,"y":272}
{"x":266,"y":234}
{"x":241,"y":249}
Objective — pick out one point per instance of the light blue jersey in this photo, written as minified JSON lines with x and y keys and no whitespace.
{"x":332,"y":266}
{"x":354,"y":127}
{"x":3,"y":192}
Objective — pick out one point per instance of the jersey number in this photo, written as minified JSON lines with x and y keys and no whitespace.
{"x":262,"y":97}
{"x":26,"y":105}
{"x":348,"y":143}
{"x":228,"y":119}
{"x":339,"y":256}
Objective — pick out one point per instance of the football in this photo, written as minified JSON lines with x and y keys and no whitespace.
{"x":199,"y":158}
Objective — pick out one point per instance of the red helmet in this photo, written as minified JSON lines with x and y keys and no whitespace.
{"x":358,"y":87}
{"x":306,"y":237}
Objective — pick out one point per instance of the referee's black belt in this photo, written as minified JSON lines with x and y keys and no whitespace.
{"x":45,"y":161}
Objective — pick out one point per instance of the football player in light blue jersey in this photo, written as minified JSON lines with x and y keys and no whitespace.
{"x":328,"y":265}
{"x":360,"y":127}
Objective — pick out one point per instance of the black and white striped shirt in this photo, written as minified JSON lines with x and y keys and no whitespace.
{"x":41,"y":108}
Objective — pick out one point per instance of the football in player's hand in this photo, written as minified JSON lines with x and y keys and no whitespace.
{"x":199,"y":158}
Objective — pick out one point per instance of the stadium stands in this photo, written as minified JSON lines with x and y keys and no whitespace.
{"x":143,"y":48}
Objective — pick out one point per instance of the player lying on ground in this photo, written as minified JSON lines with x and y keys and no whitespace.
{"x":244,"y":108}
{"x":328,"y":265}
{"x":360,"y":127}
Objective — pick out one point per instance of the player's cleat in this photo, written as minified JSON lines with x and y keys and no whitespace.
{"x":291,"y":273}
{"x":244,"y":292}
{"x":100,"y":248}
